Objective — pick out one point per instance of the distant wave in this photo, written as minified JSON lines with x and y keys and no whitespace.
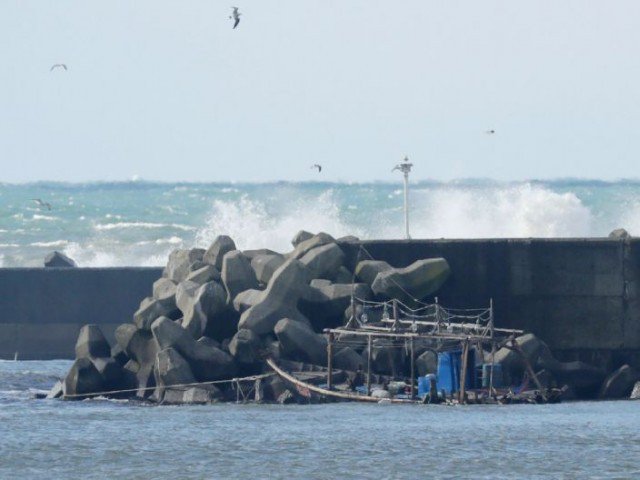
{"x":55,"y":243}
{"x":147,"y":225}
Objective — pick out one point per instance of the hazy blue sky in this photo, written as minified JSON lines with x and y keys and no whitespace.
{"x":168,"y":91}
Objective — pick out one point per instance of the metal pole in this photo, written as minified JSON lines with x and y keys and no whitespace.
{"x":493,"y":347}
{"x":330,"y":362}
{"x":406,"y":204}
{"x":405,"y":168}
{"x":369,"y":346}
{"x":413,"y":374}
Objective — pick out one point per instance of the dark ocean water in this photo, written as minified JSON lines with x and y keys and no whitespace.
{"x":108,"y":439}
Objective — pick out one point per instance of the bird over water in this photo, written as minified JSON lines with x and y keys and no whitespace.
{"x":58,"y":65}
{"x":236,"y":17}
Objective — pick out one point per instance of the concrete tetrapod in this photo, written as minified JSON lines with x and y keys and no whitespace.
{"x":92,"y":343}
{"x":303,"y":247}
{"x":299,"y":342}
{"x":245,"y":347}
{"x":206,"y":361}
{"x":324,"y":302}
{"x":237,"y":274}
{"x":279,"y":300}
{"x":178,"y":266}
{"x":265,"y":265}
{"x":421,"y":278}
{"x":207,"y":303}
{"x":324,"y":261}
{"x":218,"y":249}
{"x":247,"y":299}
{"x":619,"y":384}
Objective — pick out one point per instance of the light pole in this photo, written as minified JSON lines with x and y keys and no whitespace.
{"x":405,"y":168}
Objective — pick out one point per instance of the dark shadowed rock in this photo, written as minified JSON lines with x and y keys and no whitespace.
{"x":513,"y":365}
{"x":265,"y":265}
{"x":206,"y":273}
{"x":92,"y":343}
{"x":299,"y":342}
{"x":218,"y":249}
{"x":300,"y":237}
{"x":347,"y":359}
{"x":324,"y":302}
{"x":421,"y":278}
{"x":584,"y":379}
{"x":209,"y":342}
{"x":237,"y":274}
{"x":247,"y":299}
{"x":619,"y":384}
{"x":178,"y":266}
{"x":110,"y":371}
{"x":119,"y":355}
{"x":386,"y":358}
{"x":367,"y":270}
{"x":279,"y":300}
{"x":58,"y":260}
{"x":82,"y":379}
{"x":343,"y":275}
{"x":324,"y":261}
{"x":245,"y":346}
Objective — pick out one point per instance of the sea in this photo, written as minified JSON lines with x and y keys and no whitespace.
{"x":97,"y":439}
{"x":140,"y":223}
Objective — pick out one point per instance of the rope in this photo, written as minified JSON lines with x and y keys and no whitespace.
{"x":178,"y":385}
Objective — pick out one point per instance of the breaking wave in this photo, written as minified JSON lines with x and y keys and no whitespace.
{"x":145,"y":225}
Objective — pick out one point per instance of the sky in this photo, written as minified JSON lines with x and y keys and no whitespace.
{"x":167,"y":90}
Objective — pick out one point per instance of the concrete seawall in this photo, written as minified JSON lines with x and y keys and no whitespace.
{"x":579,"y":295}
{"x":42,"y":309}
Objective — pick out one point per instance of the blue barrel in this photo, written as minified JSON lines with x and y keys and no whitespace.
{"x":449,"y":371}
{"x":498,"y":378}
{"x":424,"y":384}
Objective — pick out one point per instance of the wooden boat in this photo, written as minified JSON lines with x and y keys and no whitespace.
{"x":305,"y":388}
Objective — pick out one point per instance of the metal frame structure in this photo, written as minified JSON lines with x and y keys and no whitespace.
{"x":446,"y":328}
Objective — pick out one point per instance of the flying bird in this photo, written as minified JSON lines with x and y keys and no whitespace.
{"x":236,"y":17}
{"x":319,"y":167}
{"x":58,"y":65}
{"x":490,"y":132}
{"x":42,"y":204}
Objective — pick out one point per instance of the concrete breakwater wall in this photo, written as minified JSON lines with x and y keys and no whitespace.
{"x":42,"y":309}
{"x":578,"y":295}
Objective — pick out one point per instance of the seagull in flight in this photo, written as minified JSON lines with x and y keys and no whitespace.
{"x":236,"y":17}
{"x":319,"y":167}
{"x":490,"y":132}
{"x":41,"y":203}
{"x":58,"y":65}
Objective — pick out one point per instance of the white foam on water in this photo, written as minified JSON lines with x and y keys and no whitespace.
{"x":53,"y":244}
{"x":145,"y":225}
{"x":47,"y":218}
{"x":515,"y":211}
{"x":251,"y":226}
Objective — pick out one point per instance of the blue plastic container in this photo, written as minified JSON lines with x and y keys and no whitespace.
{"x":449,"y":371}
{"x":424,"y":384}
{"x":498,"y":378}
